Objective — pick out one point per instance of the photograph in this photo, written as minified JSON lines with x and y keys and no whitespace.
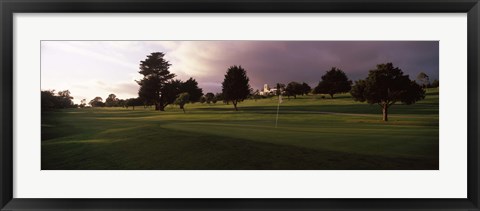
{"x":239,"y":104}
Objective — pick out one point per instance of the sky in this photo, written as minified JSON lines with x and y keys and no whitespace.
{"x":99,"y":68}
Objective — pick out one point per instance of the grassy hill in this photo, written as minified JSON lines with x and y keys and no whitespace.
{"x":312,"y":133}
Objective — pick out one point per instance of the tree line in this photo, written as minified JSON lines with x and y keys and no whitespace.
{"x":51,"y":100}
{"x":385,"y":86}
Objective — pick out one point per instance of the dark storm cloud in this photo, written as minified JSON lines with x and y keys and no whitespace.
{"x":306,"y":61}
{"x":98,"y":68}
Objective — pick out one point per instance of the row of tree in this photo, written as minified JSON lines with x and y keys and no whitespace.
{"x":113,"y":101}
{"x":385,"y":86}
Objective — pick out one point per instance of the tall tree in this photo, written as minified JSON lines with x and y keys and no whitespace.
{"x":155,"y":71}
{"x":334,"y":81}
{"x":235,"y":87}
{"x":385,"y":86}
{"x":423,"y":79}
{"x":182,"y":99}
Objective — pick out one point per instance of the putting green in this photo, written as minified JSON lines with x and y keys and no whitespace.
{"x":312,"y":133}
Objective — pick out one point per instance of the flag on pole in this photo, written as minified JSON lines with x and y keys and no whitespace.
{"x":278,"y":108}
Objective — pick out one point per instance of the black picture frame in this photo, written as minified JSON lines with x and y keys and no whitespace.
{"x":9,"y":7}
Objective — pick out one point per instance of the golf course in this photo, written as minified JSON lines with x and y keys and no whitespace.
{"x":313,"y":133}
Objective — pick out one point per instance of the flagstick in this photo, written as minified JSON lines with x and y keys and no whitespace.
{"x":278,"y":108}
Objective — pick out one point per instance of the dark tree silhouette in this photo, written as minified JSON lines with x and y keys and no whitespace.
{"x":182,"y":99}
{"x":306,"y":88}
{"x":65,"y":100}
{"x":294,"y":89}
{"x":386,"y":86}
{"x":155,"y":75}
{"x":147,"y":95}
{"x":209,"y":97}
{"x":132,"y":102}
{"x":50,"y":100}
{"x":235,"y":87}
{"x":334,"y":81}
{"x":203,"y":99}
{"x":97,"y":102}
{"x":121,"y":103}
{"x":111,"y":100}
{"x":83,"y":103}
{"x":219,"y":97}
{"x":191,"y":87}
{"x":170,"y":91}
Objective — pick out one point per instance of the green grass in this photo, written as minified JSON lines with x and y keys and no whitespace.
{"x":312,"y":133}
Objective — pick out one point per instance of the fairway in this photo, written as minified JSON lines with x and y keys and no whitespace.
{"x":312,"y":134}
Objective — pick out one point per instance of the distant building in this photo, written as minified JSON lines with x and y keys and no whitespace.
{"x":267,"y":91}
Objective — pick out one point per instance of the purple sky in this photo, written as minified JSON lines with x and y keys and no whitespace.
{"x":98,"y":68}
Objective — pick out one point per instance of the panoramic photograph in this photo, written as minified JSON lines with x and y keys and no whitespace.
{"x":239,"y":105}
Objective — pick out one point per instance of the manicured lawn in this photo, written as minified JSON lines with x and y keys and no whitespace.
{"x":313,"y":133}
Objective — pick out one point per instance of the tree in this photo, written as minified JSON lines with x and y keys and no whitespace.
{"x":111,"y":100}
{"x":235,"y":87}
{"x":423,"y":80}
{"x":334,"y":81}
{"x":83,"y":103}
{"x":173,"y":88}
{"x":170,"y":91}
{"x":203,"y":99}
{"x":182,"y":99}
{"x":306,"y":88}
{"x":435,"y":84}
{"x":121,"y":103}
{"x":50,"y":100}
{"x":191,"y":87}
{"x":133,"y":102}
{"x":219,"y":97}
{"x":96,"y":102}
{"x":155,"y":71}
{"x":209,"y":97}
{"x":65,"y":100}
{"x":294,"y":89}
{"x":386,"y":86}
